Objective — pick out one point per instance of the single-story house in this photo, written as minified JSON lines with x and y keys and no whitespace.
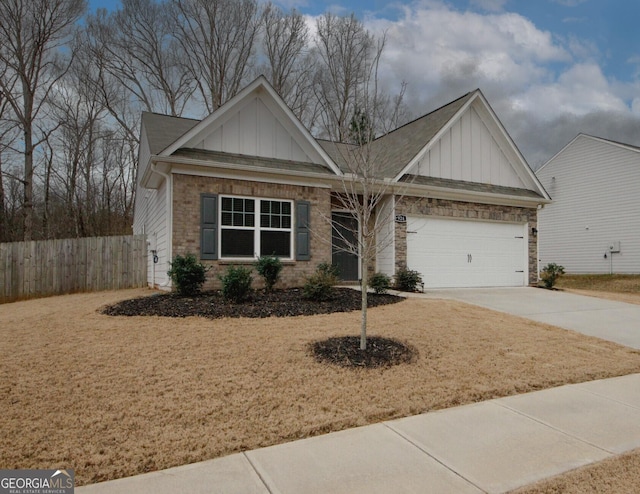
{"x":250,"y":180}
{"x":593,"y":225}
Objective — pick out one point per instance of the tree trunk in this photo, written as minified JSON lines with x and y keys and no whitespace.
{"x":363,"y":288}
{"x":3,"y":225}
{"x":27,"y":206}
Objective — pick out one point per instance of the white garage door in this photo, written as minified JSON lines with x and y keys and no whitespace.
{"x":457,"y":253}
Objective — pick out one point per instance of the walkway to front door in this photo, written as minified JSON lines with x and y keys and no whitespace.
{"x":344,"y":234}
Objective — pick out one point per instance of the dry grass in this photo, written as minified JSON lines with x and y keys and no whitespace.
{"x":620,"y":287}
{"x":118,"y":396}
{"x":616,"y":475}
{"x":615,"y":283}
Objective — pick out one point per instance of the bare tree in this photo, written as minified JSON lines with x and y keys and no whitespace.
{"x":289,"y":66}
{"x":31,"y":33}
{"x":136,"y":46}
{"x":218,"y":40}
{"x":346,"y":51}
{"x":7,"y":139}
{"x":364,"y":192}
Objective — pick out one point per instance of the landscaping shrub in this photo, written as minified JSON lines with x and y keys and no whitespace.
{"x":407,"y":280}
{"x":380,"y":283}
{"x":236,"y":283}
{"x":187,"y":274}
{"x":319,"y":286}
{"x":269,"y":268}
{"x":550,"y":274}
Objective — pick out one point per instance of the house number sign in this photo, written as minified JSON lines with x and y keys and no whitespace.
{"x":401,"y":218}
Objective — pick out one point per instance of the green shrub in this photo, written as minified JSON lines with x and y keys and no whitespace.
{"x":380,"y":283}
{"x":269,"y":268}
{"x":319,"y":286}
{"x":187,"y":274}
{"x":550,"y":274}
{"x":236,"y":283}
{"x":407,"y":280}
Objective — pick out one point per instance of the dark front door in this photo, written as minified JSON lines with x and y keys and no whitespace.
{"x":344,"y":240}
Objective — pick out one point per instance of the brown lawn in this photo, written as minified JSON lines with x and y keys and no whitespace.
{"x":621,"y":287}
{"x":615,"y":475}
{"x":118,"y":396}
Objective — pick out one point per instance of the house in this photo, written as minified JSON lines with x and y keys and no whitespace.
{"x":250,"y":180}
{"x":593,"y":225}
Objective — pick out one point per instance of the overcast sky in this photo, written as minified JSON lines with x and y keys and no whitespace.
{"x":550,"y":68}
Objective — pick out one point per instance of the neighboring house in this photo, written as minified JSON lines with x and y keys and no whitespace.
{"x":250,"y":180}
{"x":593,"y":225}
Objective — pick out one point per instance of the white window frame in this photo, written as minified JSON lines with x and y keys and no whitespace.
{"x":256,"y":228}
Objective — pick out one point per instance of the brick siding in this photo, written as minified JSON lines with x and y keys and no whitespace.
{"x":186,"y":223}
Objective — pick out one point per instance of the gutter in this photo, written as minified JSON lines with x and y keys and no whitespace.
{"x":328,"y":181}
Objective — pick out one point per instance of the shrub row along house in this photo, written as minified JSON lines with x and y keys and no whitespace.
{"x":460,"y":202}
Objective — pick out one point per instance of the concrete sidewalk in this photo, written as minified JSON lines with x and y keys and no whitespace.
{"x":490,"y":447}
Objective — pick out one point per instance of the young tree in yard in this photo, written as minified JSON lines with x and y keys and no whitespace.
{"x":353,"y":125}
{"x":31,"y":63}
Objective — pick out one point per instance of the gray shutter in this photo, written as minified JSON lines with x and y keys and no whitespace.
{"x":303,"y":248}
{"x":208,"y":226}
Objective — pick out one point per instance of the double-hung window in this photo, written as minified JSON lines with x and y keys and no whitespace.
{"x":252,"y":227}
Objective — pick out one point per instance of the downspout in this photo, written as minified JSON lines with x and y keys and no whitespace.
{"x":169,"y":205}
{"x":540,"y":207}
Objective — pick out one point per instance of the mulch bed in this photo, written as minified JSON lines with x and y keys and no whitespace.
{"x":278,"y":303}
{"x":345,"y":352}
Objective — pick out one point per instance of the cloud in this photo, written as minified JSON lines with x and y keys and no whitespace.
{"x":545,"y":87}
{"x":437,"y":49}
{"x":490,"y":5}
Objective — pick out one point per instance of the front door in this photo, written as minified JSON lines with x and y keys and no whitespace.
{"x":344,"y":238}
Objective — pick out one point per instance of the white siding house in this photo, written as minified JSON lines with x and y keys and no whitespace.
{"x":593,"y":223}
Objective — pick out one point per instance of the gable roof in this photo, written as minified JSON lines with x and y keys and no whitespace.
{"x":407,"y":141}
{"x":623,"y":145}
{"x":162,"y":130}
{"x":262,"y":86}
{"x":395,"y":154}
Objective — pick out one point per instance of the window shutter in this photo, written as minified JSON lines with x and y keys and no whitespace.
{"x":208,"y":226}
{"x":303,"y":249}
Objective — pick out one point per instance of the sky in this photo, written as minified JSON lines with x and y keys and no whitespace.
{"x":549,"y":68}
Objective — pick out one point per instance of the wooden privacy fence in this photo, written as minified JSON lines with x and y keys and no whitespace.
{"x":51,"y":267}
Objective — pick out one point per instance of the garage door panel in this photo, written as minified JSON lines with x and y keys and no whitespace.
{"x":457,"y":253}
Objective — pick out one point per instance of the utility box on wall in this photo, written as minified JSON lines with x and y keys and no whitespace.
{"x":614,"y":247}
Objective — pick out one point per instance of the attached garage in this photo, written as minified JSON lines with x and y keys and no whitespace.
{"x":451,"y":253}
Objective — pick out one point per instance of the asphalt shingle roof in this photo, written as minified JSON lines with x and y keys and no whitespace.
{"x":164,"y":130}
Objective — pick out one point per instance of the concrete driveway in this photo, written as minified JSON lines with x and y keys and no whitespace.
{"x":606,"y":319}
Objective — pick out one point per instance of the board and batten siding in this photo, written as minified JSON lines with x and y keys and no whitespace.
{"x":595,"y":188}
{"x":255,"y":130}
{"x":467,"y":151}
{"x":385,"y":248}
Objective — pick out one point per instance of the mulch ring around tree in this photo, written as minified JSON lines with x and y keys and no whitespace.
{"x":278,"y":303}
{"x":344,"y":351}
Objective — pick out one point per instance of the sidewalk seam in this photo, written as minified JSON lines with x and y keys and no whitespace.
{"x":433,"y":457}
{"x":264,"y":482}
{"x":565,"y":433}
